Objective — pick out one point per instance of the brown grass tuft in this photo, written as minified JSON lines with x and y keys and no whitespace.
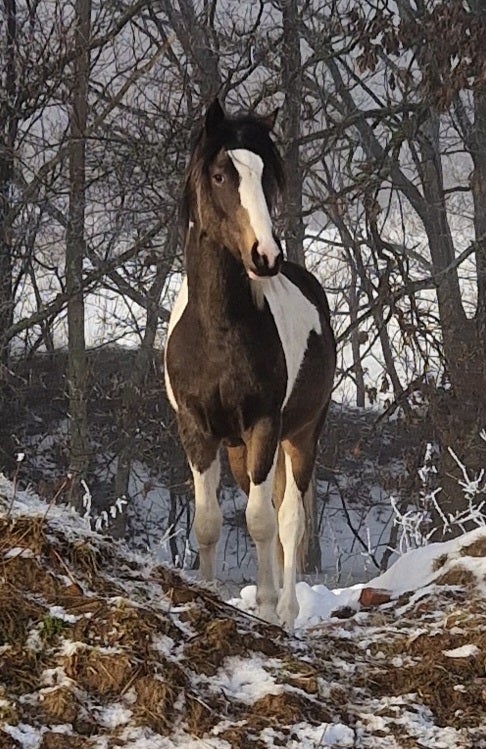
{"x":23,"y":532}
{"x":476,"y":549}
{"x":242,"y":737}
{"x":200,"y":717}
{"x":457,"y":575}
{"x":17,"y":614}
{"x":451,"y":687}
{"x":7,"y":742}
{"x":21,"y":669}
{"x":207,"y":651}
{"x":59,"y":705}
{"x":289,"y":707}
{"x":52,"y":740}
{"x":115,"y":625}
{"x":155,"y":703}
{"x":99,"y":673}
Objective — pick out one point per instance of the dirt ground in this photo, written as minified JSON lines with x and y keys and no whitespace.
{"x":99,"y":648}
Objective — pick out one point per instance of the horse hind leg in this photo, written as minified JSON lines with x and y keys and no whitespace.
{"x":237,"y":459}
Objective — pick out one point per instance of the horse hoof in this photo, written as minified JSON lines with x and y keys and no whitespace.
{"x":268,"y":614}
{"x":287,"y":614}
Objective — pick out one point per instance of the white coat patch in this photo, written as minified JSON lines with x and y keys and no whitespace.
{"x":176,"y":314}
{"x":295,"y":317}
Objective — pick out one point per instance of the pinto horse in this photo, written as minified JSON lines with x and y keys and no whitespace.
{"x":250,"y":354}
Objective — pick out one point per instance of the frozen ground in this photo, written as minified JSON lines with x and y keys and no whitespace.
{"x":105,"y":649}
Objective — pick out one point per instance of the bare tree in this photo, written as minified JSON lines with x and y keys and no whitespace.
{"x":75,"y":253}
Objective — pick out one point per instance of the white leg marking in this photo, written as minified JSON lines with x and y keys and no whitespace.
{"x":250,"y":168}
{"x":262,"y":525}
{"x":176,"y":314}
{"x":208,"y":518}
{"x":294,"y":317}
{"x":291,"y":519}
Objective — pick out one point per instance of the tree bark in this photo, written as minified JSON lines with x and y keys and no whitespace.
{"x":75,"y":251}
{"x":292,"y":115}
{"x":8,"y":124}
{"x":132,"y":391}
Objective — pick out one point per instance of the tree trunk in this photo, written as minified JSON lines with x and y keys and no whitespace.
{"x":8,"y":123}
{"x":75,"y":250}
{"x":132,"y":391}
{"x":292,"y":85}
{"x":460,"y":415}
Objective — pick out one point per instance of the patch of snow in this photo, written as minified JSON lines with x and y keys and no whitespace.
{"x":55,"y":677}
{"x":27,"y":736}
{"x":114,"y":715}
{"x":305,"y":736}
{"x":246,"y":679}
{"x":163,"y":644}
{"x":144,"y":738}
{"x":465,"y":651}
{"x":19,"y":551}
{"x":337,"y":734}
{"x":70,"y":647}
{"x":415,"y":569}
{"x":316,"y":602}
{"x":59,"y":613}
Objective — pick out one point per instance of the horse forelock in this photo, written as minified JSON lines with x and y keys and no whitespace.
{"x":245,"y":132}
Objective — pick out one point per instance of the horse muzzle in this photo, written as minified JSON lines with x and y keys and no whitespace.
{"x":265,"y":263}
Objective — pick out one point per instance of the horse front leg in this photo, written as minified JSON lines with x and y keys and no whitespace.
{"x":207,"y":517}
{"x":203,"y":456}
{"x":260,"y":512}
{"x":299,"y":461}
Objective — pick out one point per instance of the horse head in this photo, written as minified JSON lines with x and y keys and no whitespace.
{"x":234,"y":175}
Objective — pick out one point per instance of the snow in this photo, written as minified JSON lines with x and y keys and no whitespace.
{"x":114,"y":715}
{"x":19,"y":551}
{"x":333,"y":735}
{"x":465,"y":651}
{"x":414,"y":571}
{"x":246,"y":679}
{"x":316,"y":602}
{"x":27,"y":736}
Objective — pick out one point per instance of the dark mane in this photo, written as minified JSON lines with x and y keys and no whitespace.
{"x":245,"y":131}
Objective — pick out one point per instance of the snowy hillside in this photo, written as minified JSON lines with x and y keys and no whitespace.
{"x":103,"y":649}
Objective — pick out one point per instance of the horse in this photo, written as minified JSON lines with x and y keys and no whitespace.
{"x":250,"y":354}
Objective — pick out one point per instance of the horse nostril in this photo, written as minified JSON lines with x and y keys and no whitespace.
{"x":259,"y":261}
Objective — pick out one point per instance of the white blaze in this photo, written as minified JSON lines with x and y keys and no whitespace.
{"x":250,"y":168}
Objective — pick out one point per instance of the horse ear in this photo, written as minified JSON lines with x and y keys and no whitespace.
{"x":270,"y":119}
{"x":214,"y":116}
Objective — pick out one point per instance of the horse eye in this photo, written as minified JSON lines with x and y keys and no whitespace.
{"x":219,"y":178}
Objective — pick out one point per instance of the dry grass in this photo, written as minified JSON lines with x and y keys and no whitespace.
{"x":112,"y":651}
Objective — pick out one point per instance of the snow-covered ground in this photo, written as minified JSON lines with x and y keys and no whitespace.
{"x":103,"y":648}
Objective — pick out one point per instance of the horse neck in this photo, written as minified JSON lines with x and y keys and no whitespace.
{"x":216,"y":281}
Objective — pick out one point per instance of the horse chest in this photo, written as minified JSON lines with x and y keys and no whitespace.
{"x":263,"y":363}
{"x":295,"y":318}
